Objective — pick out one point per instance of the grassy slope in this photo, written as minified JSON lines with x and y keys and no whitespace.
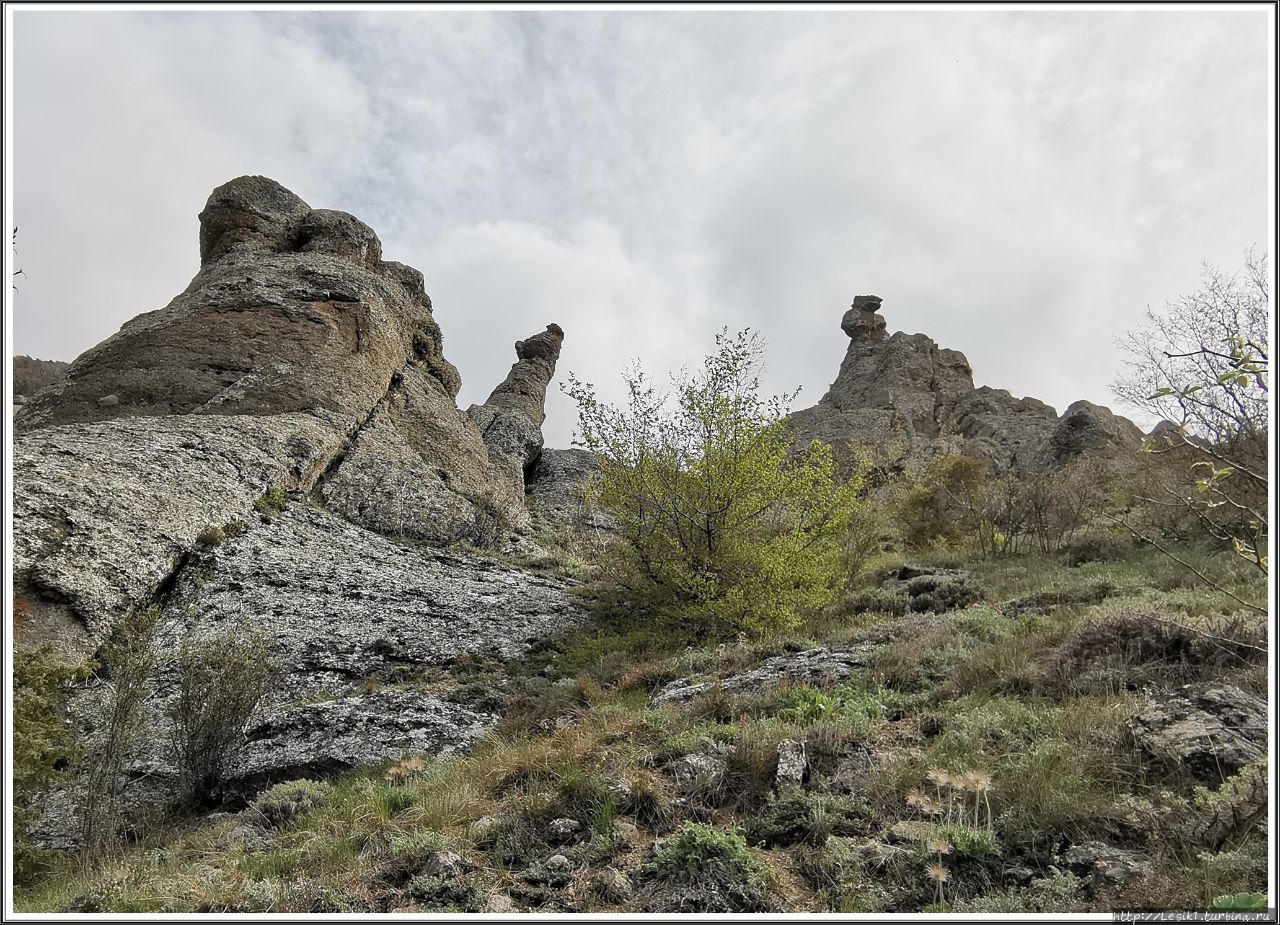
{"x":972,"y":689}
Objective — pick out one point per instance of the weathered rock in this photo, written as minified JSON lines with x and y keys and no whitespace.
{"x":814,"y":667}
{"x":419,"y":469}
{"x":562,"y":831}
{"x":1211,"y":730}
{"x":510,"y":419}
{"x":1089,"y":428}
{"x":338,"y":735}
{"x":290,"y":312}
{"x":1105,"y":864}
{"x":793,"y":762}
{"x":556,"y":871}
{"x":907,"y":400}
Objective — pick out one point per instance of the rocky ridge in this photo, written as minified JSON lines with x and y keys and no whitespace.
{"x":909,"y":399}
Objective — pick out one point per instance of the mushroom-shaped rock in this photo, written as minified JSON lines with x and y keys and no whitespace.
{"x":862,"y":321}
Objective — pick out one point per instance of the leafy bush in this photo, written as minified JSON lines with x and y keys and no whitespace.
{"x":43,"y":742}
{"x":285,"y":802}
{"x":724,"y":525}
{"x":125,"y":669}
{"x":219,"y":684}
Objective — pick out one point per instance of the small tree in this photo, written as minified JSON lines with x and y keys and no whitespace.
{"x":1202,"y":364}
{"x":723,"y":523}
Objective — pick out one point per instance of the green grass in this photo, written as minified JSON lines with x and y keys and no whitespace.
{"x":963,"y":691}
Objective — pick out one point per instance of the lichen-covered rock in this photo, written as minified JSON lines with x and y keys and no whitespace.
{"x":1210,"y":730}
{"x":333,"y":736}
{"x":105,"y":512}
{"x":814,"y":667}
{"x":1104,"y":864}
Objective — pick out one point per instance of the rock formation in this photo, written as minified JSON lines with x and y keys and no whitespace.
{"x":299,"y":361}
{"x":907,"y":399}
{"x":511,"y":418}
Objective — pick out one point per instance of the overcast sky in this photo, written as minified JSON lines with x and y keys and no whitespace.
{"x":1018,"y":185}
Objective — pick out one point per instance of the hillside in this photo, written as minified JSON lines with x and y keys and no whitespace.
{"x":297,"y":634}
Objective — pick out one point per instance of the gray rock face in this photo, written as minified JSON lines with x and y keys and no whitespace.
{"x":296,"y":357}
{"x":290,"y":312}
{"x":342,"y":609}
{"x":554,"y":486}
{"x":1210,"y":730}
{"x":907,"y":399}
{"x":337,"y":735}
{"x":104,"y":512}
{"x":341,"y":604}
{"x":811,"y":667}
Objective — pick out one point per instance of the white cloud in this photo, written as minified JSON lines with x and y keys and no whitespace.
{"x":1018,"y":185}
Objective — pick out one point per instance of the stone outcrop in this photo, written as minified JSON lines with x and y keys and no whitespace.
{"x":510,"y":420}
{"x":296,"y":361}
{"x":1211,"y":731}
{"x":296,"y":357}
{"x":907,"y":399}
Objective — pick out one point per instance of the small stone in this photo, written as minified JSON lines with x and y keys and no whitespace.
{"x":498,"y":904}
{"x":792,"y":763}
{"x":562,"y":831}
{"x":611,"y":886}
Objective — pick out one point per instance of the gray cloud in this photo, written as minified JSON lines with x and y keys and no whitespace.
{"x":1019,"y":185}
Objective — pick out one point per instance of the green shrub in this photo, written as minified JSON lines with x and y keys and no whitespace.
{"x":43,"y":742}
{"x":797,"y":817}
{"x":697,"y":850}
{"x":285,"y":802}
{"x":220,"y":681}
{"x":723,"y":524}
{"x":272,"y":502}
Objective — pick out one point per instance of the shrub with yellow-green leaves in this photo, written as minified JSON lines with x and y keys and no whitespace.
{"x":723,"y":525}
